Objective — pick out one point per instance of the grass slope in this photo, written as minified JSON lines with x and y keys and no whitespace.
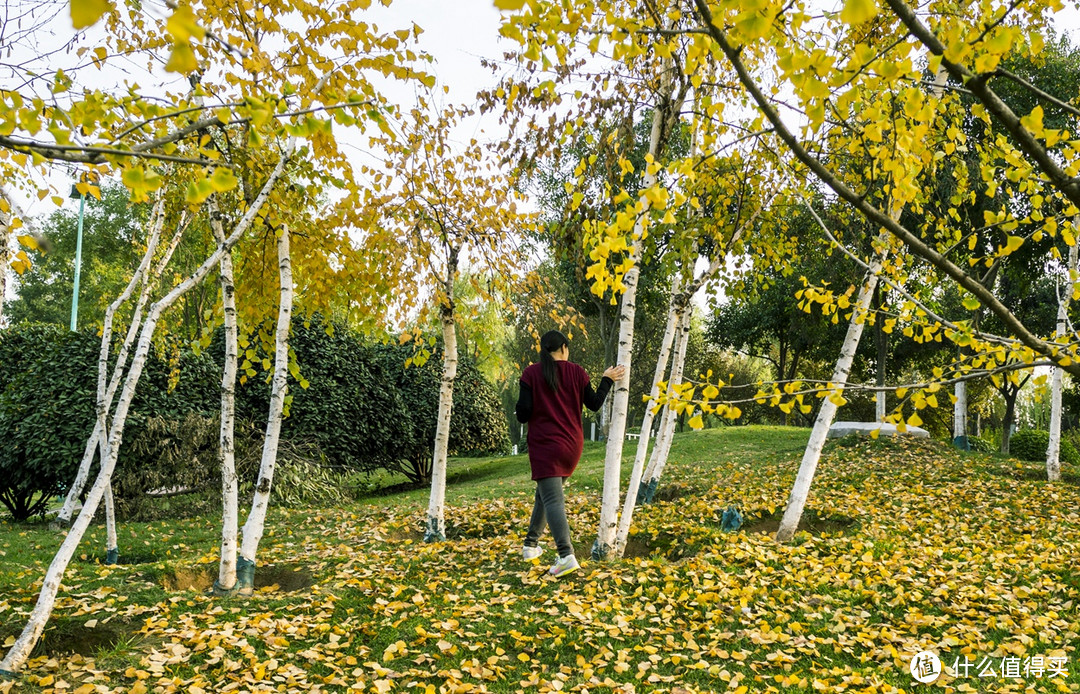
{"x":911,"y":546}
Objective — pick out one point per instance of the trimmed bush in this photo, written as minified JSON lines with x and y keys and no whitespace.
{"x":1031,"y":444}
{"x":981,"y":445}
{"x":365,"y":410}
{"x":48,"y":390}
{"x":46,"y":413}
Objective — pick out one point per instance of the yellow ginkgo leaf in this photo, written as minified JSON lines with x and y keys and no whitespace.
{"x":85,"y":13}
{"x":182,"y":59}
{"x":858,"y":11}
{"x":182,"y":25}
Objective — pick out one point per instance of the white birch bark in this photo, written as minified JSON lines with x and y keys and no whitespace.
{"x":1053,"y":450}
{"x":879,"y":406}
{"x":609,"y":506}
{"x":436,"y":515}
{"x":805,"y":477}
{"x":670,"y":419}
{"x":104,"y":396}
{"x":662,"y":360}
{"x":230,"y":514}
{"x":256,"y":520}
{"x":112,"y":544}
{"x":960,"y":408}
{"x":147,"y":275}
{"x":24,"y":644}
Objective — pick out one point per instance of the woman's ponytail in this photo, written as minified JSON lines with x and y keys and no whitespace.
{"x":552,"y":341}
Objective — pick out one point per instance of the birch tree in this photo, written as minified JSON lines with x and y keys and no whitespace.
{"x":1053,"y":449}
{"x":678,"y":332}
{"x":960,"y":410}
{"x":226,"y":580}
{"x":1021,"y":149}
{"x":665,"y":116}
{"x":444,"y":206}
{"x":20,"y":651}
{"x":256,"y":520}
{"x":800,"y":491}
{"x":145,"y":277}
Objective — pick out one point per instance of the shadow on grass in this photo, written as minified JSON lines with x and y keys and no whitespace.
{"x":68,"y":635}
{"x":145,"y":555}
{"x":811,"y":522}
{"x":1032,"y":474}
{"x":286,"y":578}
{"x":478,"y":472}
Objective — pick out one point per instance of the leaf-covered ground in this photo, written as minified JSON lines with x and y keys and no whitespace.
{"x":912,"y":547}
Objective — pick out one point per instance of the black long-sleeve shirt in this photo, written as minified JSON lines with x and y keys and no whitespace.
{"x":592,"y":399}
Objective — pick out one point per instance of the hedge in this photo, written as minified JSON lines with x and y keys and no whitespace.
{"x":363,"y":410}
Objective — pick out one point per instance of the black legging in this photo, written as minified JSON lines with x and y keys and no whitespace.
{"x":549,"y":509}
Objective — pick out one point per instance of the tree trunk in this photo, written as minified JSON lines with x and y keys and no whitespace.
{"x":226,"y":581}
{"x":1009,"y":394}
{"x":1053,"y":450}
{"x":662,"y":360}
{"x":148,"y":274}
{"x":670,"y":419}
{"x":112,"y":543}
{"x":882,"y":356}
{"x":256,"y":520}
{"x":664,"y":111}
{"x":960,"y":408}
{"x":436,"y":517}
{"x":801,"y":490}
{"x":20,"y":651}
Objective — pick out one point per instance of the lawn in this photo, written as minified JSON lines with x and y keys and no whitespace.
{"x":910,"y":546}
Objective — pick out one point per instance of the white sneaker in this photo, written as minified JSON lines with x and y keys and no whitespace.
{"x":531,"y":553}
{"x":565,"y":565}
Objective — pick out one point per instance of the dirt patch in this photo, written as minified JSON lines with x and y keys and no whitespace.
{"x":811,"y":522}
{"x":67,"y":635}
{"x":288,"y":578}
{"x":402,"y":534}
{"x":671,"y":492}
{"x":644,"y":546}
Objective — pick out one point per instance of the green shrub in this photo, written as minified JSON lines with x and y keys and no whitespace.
{"x":46,"y":413}
{"x":302,"y":475}
{"x":477,"y":423}
{"x":350,"y":410}
{"x":365,"y":410}
{"x":48,"y":390}
{"x":1031,"y":444}
{"x":981,"y":445}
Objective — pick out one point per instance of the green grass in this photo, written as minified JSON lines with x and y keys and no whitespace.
{"x":916,"y":545}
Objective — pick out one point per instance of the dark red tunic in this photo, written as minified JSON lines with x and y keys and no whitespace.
{"x":555,"y":436}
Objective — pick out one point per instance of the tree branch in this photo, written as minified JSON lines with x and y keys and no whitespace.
{"x":873,"y":214}
{"x":978,"y":84}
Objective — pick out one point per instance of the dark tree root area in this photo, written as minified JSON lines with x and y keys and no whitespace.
{"x":671,"y":492}
{"x":811,"y":522}
{"x":133,"y":558}
{"x":288,"y":578}
{"x":67,"y":635}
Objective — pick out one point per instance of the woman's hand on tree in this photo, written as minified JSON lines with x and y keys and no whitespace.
{"x":615,"y":372}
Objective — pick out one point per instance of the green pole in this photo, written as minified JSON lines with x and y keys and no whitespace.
{"x":78,"y":267}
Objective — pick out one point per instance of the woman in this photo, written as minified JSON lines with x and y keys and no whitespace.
{"x":552,"y":393}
